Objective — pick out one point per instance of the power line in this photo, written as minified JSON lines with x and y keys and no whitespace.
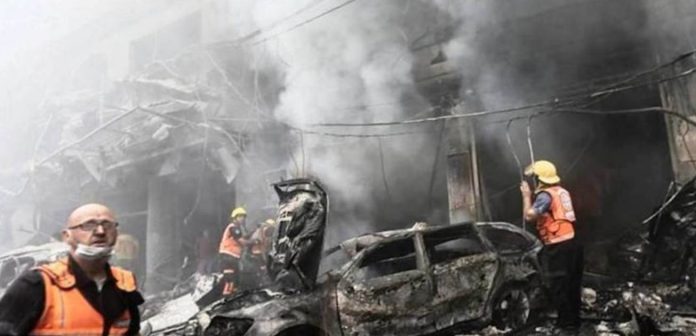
{"x":349,"y":135}
{"x":260,"y":31}
{"x":312,"y":19}
{"x":432,"y":119}
{"x":507,"y":110}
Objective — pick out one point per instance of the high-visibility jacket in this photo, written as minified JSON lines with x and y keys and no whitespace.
{"x":556,"y":225}
{"x":229,"y":244}
{"x":67,"y":312}
{"x":263,"y":239}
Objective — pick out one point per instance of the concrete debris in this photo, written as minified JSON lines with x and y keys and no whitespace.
{"x":589,"y":297}
{"x":489,"y":331}
{"x":637,"y":309}
{"x":160,"y":311}
{"x":173,"y":312}
{"x":665,"y":253}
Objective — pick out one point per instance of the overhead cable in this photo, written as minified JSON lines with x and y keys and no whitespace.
{"x":500,"y":111}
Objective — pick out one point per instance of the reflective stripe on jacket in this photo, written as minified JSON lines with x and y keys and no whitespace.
{"x":229,"y":244}
{"x":67,"y":312}
{"x":556,"y":225}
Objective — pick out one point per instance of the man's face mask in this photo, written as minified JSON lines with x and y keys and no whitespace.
{"x":93,"y":252}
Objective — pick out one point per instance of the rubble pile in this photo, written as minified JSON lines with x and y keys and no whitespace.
{"x":386,"y":285}
{"x":181,"y":303}
{"x":640,"y":309}
{"x":628,"y":309}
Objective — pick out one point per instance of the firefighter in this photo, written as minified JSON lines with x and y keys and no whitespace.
{"x":562,"y":254}
{"x":262,"y":241}
{"x":263,"y":238}
{"x":80,"y":294}
{"x":232,"y":248}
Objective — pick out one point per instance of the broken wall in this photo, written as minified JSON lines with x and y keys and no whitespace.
{"x":679,"y":95}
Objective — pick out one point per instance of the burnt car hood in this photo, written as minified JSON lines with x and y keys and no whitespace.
{"x":266,"y":311}
{"x":298,"y":240}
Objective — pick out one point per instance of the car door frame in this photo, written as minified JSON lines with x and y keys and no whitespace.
{"x":346,"y":293}
{"x":447,"y":319}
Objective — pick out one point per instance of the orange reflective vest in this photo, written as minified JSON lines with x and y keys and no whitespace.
{"x":556,"y":225}
{"x":263,"y":239}
{"x":229,"y":244}
{"x":67,"y":312}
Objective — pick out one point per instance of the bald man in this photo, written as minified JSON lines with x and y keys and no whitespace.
{"x":80,"y":293}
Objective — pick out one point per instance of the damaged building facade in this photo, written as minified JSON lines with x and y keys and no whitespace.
{"x":157,"y":132}
{"x":612,"y":110}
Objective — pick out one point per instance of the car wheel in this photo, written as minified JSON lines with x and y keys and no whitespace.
{"x":511,"y":308}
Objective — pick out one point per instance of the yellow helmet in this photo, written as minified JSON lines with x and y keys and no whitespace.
{"x":238,"y":212}
{"x":544,"y":170}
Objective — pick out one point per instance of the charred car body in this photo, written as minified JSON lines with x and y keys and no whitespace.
{"x":405,"y":282}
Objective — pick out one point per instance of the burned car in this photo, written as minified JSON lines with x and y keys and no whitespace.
{"x":403,"y":282}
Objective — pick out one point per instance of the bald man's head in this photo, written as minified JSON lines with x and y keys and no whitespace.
{"x":88,"y":211}
{"x":91,"y":225}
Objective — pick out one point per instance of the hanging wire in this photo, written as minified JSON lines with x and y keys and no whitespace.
{"x":512,"y":150}
{"x":384,"y":173}
{"x":302,"y":145}
{"x":517,"y":161}
{"x":529,"y":138}
{"x":529,"y":144}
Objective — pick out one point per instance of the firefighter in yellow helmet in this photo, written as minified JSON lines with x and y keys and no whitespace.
{"x":234,"y":241}
{"x":562,"y":255}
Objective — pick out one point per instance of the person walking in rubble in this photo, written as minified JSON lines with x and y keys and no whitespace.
{"x":233,"y":245}
{"x":206,"y":253}
{"x":562,"y":254}
{"x":80,"y":294}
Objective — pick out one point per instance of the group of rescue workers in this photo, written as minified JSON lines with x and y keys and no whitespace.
{"x":242,"y":253}
{"x":82,"y":294}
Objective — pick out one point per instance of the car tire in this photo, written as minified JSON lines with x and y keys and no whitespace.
{"x":511,"y":307}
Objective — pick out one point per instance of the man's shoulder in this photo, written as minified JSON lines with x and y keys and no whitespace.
{"x":32,"y":276}
{"x":543,"y":195}
{"x":27,"y":280}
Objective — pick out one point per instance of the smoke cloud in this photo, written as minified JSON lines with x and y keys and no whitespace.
{"x":355,"y":66}
{"x":355,"y":63}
